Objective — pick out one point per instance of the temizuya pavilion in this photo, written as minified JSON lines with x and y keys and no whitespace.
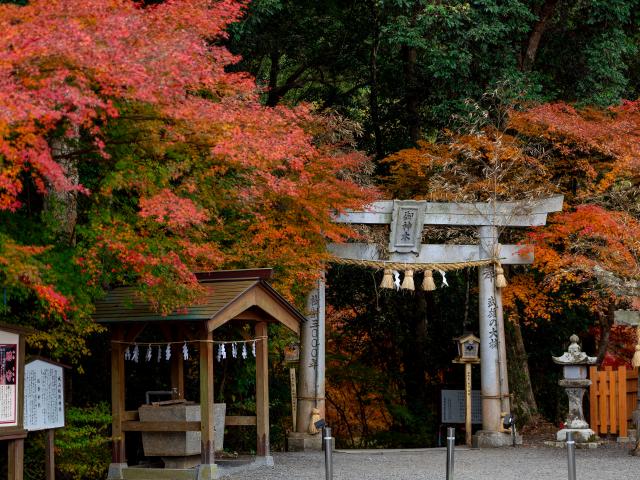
{"x":232,"y":295}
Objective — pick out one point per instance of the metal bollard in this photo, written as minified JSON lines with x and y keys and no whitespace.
{"x":571,"y":455}
{"x":328,"y":450}
{"x":451,"y":443}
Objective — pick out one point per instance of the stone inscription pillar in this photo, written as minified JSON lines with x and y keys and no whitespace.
{"x":311,"y":382}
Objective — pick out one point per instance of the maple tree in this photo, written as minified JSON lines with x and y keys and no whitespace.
{"x":597,"y":147}
{"x":127,"y":114}
{"x":490,"y":165}
{"x":590,"y":156}
{"x":353,"y":395}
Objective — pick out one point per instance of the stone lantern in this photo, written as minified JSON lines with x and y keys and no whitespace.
{"x":575,"y":381}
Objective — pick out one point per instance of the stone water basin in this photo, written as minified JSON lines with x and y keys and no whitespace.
{"x":178,"y":444}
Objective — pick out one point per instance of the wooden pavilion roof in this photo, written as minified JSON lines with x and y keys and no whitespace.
{"x":229,"y":295}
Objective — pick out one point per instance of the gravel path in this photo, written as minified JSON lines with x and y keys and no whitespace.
{"x":523,"y":463}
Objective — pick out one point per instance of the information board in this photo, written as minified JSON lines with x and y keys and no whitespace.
{"x":43,"y":396}
{"x":453,"y":406}
{"x":9,"y":350}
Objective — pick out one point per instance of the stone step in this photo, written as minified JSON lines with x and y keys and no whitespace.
{"x":133,"y":473}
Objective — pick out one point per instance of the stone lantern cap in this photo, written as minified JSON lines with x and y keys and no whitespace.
{"x":573,"y":355}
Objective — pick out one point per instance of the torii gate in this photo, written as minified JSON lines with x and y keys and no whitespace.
{"x":405,"y":247}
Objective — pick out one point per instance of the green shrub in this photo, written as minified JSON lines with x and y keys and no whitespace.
{"x":82,"y":447}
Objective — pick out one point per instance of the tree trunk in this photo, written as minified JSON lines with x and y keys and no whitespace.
{"x":61,"y":208}
{"x":274,"y":69}
{"x":524,"y":402}
{"x":373,"y":95}
{"x":409,"y":59}
{"x":466,"y":325}
{"x":533,"y":43}
{"x":606,"y":322}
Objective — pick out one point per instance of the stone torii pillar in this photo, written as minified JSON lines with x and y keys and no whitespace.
{"x":631,"y":318}
{"x":407,"y":219}
{"x":311,"y":384}
{"x":494,"y":382}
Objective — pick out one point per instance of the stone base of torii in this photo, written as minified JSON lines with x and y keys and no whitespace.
{"x":407,"y":219}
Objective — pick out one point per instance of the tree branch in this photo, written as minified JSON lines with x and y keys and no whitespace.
{"x":535,"y":36}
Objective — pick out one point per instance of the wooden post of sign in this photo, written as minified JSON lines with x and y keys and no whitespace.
{"x":294,"y":396}
{"x":49,"y":456}
{"x":16,"y":459}
{"x":467,"y":404}
{"x":467,"y":397}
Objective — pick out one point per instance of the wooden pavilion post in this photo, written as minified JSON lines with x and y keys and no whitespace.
{"x":118,"y":460}
{"x":207,"y":468}
{"x":262,"y":389}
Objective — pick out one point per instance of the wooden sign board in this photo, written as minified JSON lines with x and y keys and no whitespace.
{"x":292,"y":353}
{"x":11,"y":380}
{"x":43,"y":395}
{"x":11,"y":394}
{"x":407,"y":222}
